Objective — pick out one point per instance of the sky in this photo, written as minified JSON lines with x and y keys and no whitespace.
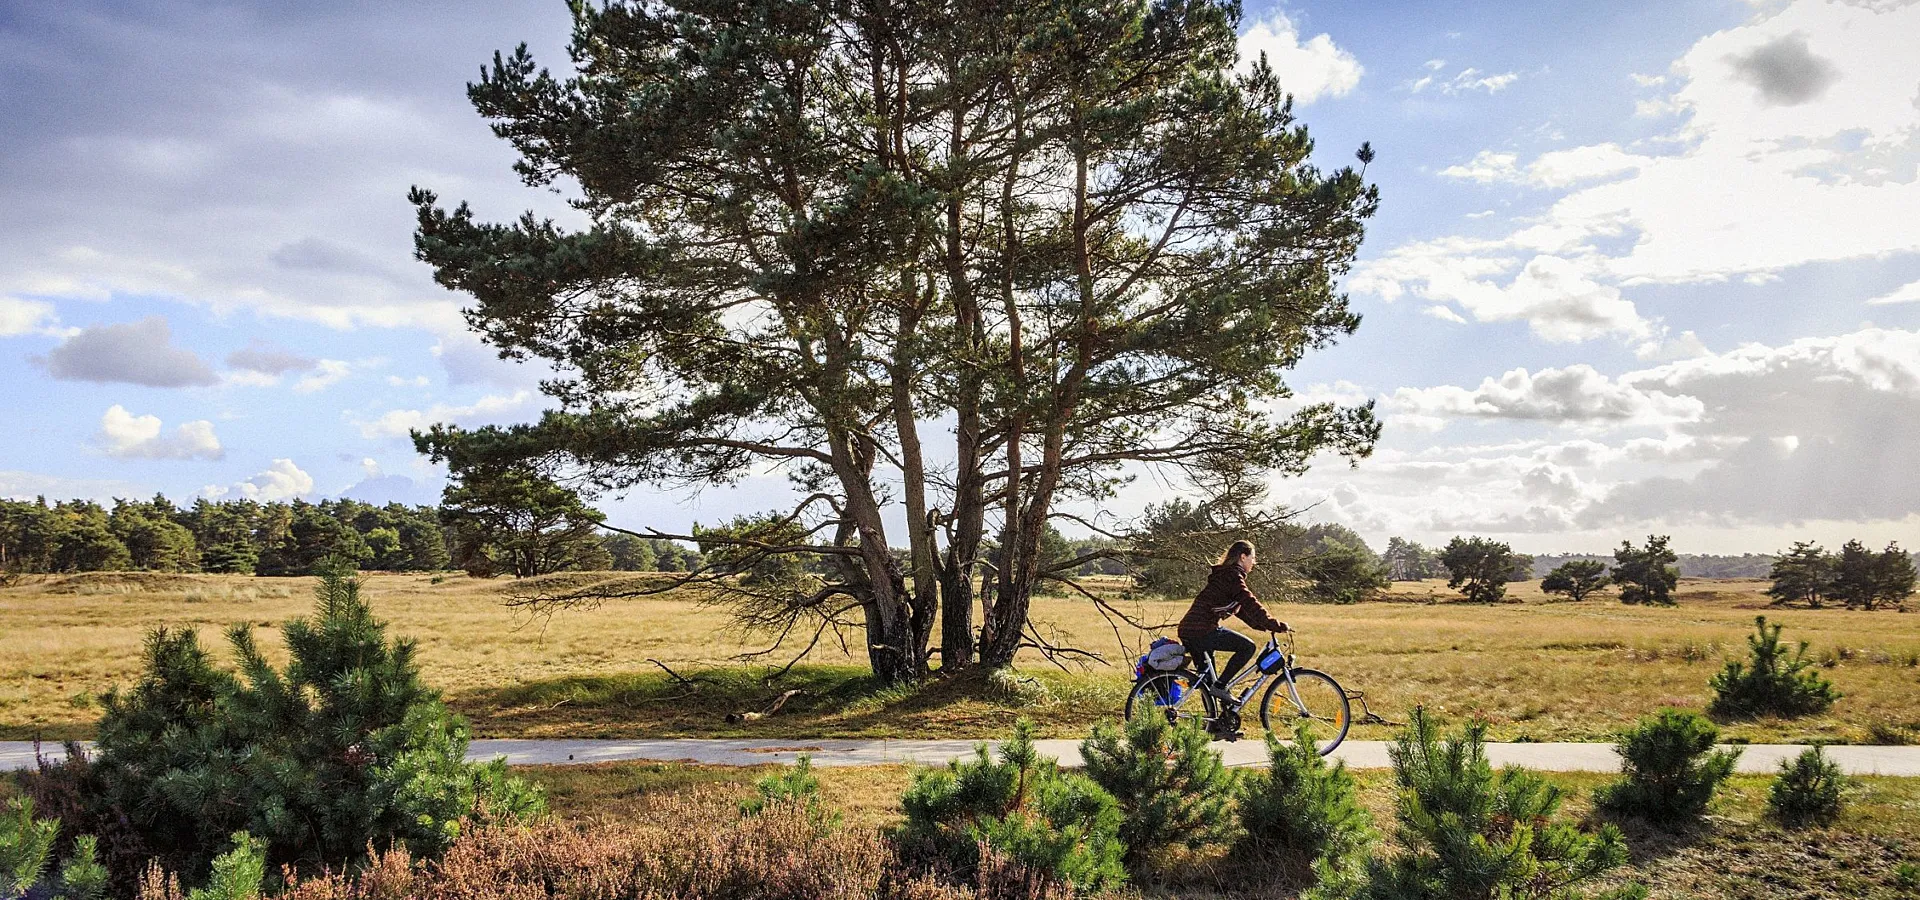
{"x":1639,"y":267}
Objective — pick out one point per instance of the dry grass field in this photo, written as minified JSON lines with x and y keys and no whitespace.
{"x":1737,"y":854}
{"x":1537,"y":670}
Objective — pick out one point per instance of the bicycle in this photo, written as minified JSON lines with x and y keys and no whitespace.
{"x":1184,"y":693}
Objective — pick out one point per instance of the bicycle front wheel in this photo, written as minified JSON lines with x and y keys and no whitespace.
{"x":1175,"y":695}
{"x":1312,"y":696}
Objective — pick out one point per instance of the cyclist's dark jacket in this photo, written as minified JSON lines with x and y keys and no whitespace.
{"x":1226,"y":595}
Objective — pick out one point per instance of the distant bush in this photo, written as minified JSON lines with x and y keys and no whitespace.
{"x":1774,"y":682}
{"x":1054,"y":829}
{"x":1299,"y":816}
{"x":1172,"y":789}
{"x":1809,"y":790}
{"x":1577,"y":579}
{"x":1671,"y":769}
{"x":1646,"y":575}
{"x":26,"y":859}
{"x":344,"y":748}
{"x":1465,"y":831}
{"x":1478,"y":568}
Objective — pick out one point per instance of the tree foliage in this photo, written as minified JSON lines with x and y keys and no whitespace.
{"x":1411,"y":561}
{"x":1646,"y":575}
{"x":1802,"y":574}
{"x":1078,"y":233}
{"x":1863,"y":579}
{"x":1478,"y":568}
{"x":514,"y":520}
{"x":1810,"y":790}
{"x":1577,"y":579}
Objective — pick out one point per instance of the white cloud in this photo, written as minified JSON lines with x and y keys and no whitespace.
{"x":1310,"y":70}
{"x":1794,"y":143}
{"x":1906,"y":293}
{"x":19,"y":317}
{"x":398,"y":422}
{"x":326,"y":373}
{"x":281,"y":481}
{"x":1575,"y":394}
{"x":126,"y":436}
{"x":1444,"y":314}
{"x":1485,"y":167}
{"x":1466,"y":80}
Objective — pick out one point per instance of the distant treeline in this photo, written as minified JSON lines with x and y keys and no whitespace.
{"x":244,"y":536}
{"x":1691,"y":565}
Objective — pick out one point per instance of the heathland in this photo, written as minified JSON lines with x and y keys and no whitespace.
{"x":1537,"y":670}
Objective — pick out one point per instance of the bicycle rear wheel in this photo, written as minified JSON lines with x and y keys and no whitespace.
{"x":1176,"y":695}
{"x":1314,"y":696}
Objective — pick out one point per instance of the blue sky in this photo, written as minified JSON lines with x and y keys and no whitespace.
{"x":1639,"y":267}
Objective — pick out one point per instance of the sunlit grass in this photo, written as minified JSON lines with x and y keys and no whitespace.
{"x":1537,"y":670}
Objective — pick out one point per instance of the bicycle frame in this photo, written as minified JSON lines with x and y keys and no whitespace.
{"x":1259,"y":678}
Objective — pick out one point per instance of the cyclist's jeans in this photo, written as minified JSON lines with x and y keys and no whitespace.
{"x":1228,"y":640}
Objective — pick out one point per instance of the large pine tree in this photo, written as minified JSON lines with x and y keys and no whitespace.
{"x":1076,"y":234}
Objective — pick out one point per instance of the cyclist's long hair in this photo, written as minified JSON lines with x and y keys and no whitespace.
{"x":1234,"y":551}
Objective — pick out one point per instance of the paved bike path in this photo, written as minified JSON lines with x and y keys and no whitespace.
{"x":1760,"y":758}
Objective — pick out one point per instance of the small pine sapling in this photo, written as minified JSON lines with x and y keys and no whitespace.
{"x":1775,"y":682}
{"x":1669,"y":770}
{"x":1172,"y":788}
{"x":1302,"y":817}
{"x":1810,"y":790}
{"x":1465,"y":831}
{"x":1058,"y":830}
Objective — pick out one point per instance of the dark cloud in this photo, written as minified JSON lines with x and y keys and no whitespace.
{"x":269,"y":360}
{"x":134,"y":352}
{"x":1785,"y":71}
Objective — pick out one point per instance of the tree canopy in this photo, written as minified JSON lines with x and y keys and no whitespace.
{"x":1075,"y":234}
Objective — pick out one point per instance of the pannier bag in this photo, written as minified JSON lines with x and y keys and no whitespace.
{"x":1165,"y":655}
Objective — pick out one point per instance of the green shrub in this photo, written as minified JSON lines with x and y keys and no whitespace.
{"x":794,"y":786}
{"x":1809,"y":790}
{"x":1298,"y":816}
{"x":1670,"y":769}
{"x":344,"y":748}
{"x":26,"y":854}
{"x":1465,"y":831}
{"x":1774,"y":683}
{"x":1170,"y":784}
{"x":1059,"y":829}
{"x":237,"y":873}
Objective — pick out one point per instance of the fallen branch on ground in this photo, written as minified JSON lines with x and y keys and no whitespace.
{"x":774,"y":707}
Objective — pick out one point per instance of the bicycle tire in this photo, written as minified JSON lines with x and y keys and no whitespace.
{"x":1145,"y":695}
{"x":1340,"y":713}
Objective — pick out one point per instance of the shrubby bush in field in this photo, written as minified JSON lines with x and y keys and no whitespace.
{"x":1773,"y":682}
{"x":1671,"y":769}
{"x":1058,"y":829}
{"x":1465,"y":831}
{"x":1300,"y":818}
{"x":1810,"y":790}
{"x":1478,"y":567}
{"x":1171,"y":786}
{"x":1646,"y":575}
{"x":1576,"y":579}
{"x":342,"y":749}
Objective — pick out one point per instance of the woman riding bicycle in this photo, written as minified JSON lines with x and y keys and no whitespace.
{"x":1226,"y":595}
